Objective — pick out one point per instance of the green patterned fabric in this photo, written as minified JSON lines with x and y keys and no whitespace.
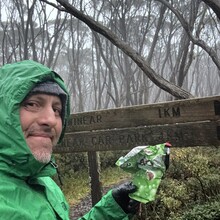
{"x":146,"y":163}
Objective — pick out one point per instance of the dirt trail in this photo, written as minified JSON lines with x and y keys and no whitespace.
{"x":85,"y":204}
{"x":80,"y":209}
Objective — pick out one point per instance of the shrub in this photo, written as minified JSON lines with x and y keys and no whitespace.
{"x":192,"y":180}
{"x":70,"y":163}
{"x":203,"y":212}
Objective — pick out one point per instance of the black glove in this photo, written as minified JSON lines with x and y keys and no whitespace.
{"x":120,"y":194}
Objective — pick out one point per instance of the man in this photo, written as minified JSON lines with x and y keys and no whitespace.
{"x":34,"y":107}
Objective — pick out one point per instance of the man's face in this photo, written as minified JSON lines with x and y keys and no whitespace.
{"x":41,"y":122}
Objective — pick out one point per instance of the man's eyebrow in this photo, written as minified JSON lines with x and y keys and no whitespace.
{"x":39,"y":97}
{"x":34,"y":97}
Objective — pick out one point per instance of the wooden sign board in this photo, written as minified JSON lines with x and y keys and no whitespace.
{"x":188,"y":122}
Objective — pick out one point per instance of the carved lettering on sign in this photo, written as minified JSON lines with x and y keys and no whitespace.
{"x":169,"y":112}
{"x":78,"y":142}
{"x":127,"y":139}
{"x":100,"y":140}
{"x":133,"y":138}
{"x":85,"y":120}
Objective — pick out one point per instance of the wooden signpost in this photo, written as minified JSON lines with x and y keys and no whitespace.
{"x":188,"y":122}
{"x":184,"y":123}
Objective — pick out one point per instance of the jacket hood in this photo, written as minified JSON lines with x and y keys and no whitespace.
{"x":16,"y":81}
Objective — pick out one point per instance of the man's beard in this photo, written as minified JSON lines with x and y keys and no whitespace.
{"x":42,"y":155}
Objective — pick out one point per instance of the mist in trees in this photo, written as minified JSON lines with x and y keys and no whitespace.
{"x":179,"y":41}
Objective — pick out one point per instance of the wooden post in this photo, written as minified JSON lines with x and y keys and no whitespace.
{"x":96,"y":192}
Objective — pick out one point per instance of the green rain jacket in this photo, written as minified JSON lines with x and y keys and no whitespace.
{"x":27,"y":191}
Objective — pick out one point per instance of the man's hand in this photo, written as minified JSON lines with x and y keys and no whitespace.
{"x":121,"y":196}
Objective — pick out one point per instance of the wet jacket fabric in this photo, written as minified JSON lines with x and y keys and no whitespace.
{"x":27,"y":191}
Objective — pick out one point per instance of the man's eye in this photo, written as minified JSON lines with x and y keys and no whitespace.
{"x":30,"y":105}
{"x":57,"y":111}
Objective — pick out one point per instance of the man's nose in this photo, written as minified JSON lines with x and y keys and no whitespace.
{"x":47,"y":117}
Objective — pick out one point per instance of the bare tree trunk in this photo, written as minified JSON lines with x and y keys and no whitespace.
{"x":127,"y":49}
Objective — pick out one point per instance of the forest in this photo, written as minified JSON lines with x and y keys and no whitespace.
{"x":113,"y":54}
{"x":179,"y":44}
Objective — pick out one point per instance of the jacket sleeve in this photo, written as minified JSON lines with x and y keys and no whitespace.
{"x":107,"y":208}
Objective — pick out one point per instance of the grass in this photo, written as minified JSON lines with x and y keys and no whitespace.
{"x":113,"y":175}
{"x":77,"y":186}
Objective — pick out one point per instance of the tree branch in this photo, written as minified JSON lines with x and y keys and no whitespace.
{"x":127,"y":49}
{"x":214,"y":5}
{"x":195,"y":40}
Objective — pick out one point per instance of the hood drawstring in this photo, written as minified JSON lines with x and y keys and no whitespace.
{"x":58,"y":173}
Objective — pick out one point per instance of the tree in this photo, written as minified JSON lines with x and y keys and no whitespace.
{"x":97,"y":27}
{"x":214,"y":5}
{"x":166,"y":36}
{"x":188,"y":28}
